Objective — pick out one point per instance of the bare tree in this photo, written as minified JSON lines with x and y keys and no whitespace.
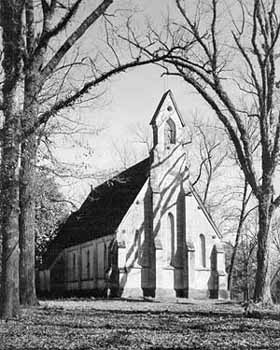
{"x":67,"y":149}
{"x":208,"y":156}
{"x":245,"y":264}
{"x":136,"y":148}
{"x":244,"y":214}
{"x":275,"y":257}
{"x":227,"y":64}
{"x":38,"y":63}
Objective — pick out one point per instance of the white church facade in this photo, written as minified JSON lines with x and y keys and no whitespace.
{"x":145,"y":232}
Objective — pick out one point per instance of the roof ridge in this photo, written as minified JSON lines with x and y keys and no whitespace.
{"x":205,"y":211}
{"x":122,"y":173}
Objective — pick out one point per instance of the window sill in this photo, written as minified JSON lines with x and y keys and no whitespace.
{"x":169,"y":267}
{"x":203,"y":269}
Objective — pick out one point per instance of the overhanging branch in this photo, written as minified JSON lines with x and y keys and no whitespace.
{"x":74,"y":98}
{"x":248,"y":171}
{"x":48,"y":33}
{"x":74,"y":37}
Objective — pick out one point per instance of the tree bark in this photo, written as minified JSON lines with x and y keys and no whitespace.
{"x":11,"y":21}
{"x":9,"y":220}
{"x":262,"y":292}
{"x":29,"y":147}
{"x":27,"y":222}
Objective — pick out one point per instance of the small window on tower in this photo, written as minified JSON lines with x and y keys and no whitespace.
{"x":169,"y":133}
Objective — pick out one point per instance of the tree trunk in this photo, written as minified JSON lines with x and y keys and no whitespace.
{"x":238,"y":233}
{"x":27,"y":183}
{"x":27,"y":222}
{"x":9,"y":221}
{"x":232,"y":260}
{"x":11,"y":21}
{"x":262,"y":291}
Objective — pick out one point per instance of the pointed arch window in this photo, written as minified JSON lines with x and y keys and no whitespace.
{"x":169,"y":133}
{"x":105,"y":257}
{"x":214,"y":259}
{"x":202,"y":250}
{"x":74,"y":266}
{"x":88,"y":264}
{"x":170,"y":238}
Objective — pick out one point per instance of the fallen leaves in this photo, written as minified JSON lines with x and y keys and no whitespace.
{"x":108,"y":324}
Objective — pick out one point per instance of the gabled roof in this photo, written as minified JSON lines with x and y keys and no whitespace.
{"x":205,"y":211}
{"x":102,"y":211}
{"x":164,"y":96}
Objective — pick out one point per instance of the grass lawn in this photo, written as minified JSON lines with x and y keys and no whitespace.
{"x":107,"y":324}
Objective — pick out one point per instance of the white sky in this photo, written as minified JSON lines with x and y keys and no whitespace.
{"x":131,"y":99}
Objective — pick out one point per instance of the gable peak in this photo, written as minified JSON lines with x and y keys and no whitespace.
{"x":168,"y":104}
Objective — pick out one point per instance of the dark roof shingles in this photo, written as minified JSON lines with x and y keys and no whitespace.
{"x":102,"y":211}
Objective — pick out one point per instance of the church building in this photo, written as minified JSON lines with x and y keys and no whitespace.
{"x":144,"y":232}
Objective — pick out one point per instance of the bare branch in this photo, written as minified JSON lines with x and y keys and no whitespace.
{"x":48,"y":33}
{"x":74,"y":37}
{"x":72,"y":99}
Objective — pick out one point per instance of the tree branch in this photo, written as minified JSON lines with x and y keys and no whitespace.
{"x":75,"y":97}
{"x":48,"y":33}
{"x":74,"y":37}
{"x":250,"y":176}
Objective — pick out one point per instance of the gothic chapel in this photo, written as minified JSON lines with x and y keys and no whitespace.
{"x":144,"y":232}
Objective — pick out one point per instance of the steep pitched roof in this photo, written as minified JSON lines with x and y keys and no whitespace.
{"x":205,"y":211}
{"x":102,"y":211}
{"x":164,"y":96}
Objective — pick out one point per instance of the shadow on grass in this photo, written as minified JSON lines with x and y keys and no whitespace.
{"x":196,"y":312}
{"x":154,"y":330}
{"x":156,"y":321}
{"x":213,"y":347}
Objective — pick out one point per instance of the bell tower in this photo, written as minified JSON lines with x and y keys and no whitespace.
{"x":168,"y":177}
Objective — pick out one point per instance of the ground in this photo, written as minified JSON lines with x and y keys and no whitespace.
{"x":118,"y":324}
